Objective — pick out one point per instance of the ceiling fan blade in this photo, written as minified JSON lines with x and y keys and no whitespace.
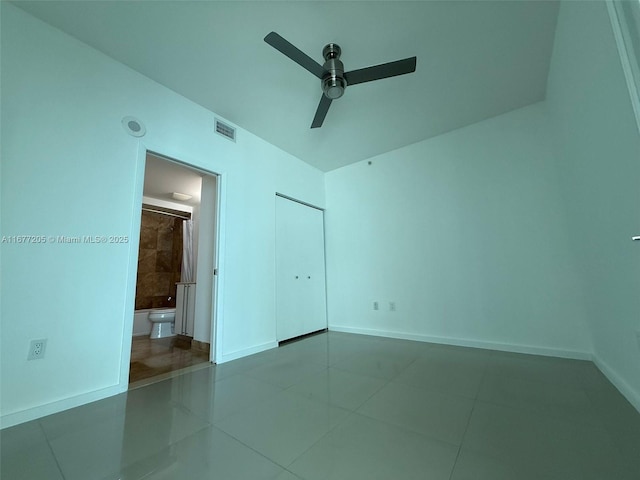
{"x":295,"y":54}
{"x":321,"y":112}
{"x":378,"y":72}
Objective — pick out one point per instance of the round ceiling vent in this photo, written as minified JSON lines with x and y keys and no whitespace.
{"x":133,"y":126}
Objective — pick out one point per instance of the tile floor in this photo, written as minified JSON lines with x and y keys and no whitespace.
{"x":340,"y":406}
{"x":161,"y":356}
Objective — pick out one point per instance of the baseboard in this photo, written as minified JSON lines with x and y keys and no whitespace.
{"x":40,"y":411}
{"x":227,"y":357}
{"x":462,"y":342}
{"x":623,"y":387}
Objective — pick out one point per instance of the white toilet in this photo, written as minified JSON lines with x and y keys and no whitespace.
{"x":163,"y":321}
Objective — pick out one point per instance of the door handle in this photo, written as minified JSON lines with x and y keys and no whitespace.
{"x":636,"y":238}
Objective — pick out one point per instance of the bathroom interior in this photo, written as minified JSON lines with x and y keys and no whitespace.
{"x":164,"y":327}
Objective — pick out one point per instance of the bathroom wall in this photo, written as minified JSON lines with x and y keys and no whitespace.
{"x":159,"y":260}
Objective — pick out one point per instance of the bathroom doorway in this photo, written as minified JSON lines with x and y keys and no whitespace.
{"x":175,"y":283}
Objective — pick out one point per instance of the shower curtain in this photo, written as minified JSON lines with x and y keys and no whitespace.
{"x":186,"y":273}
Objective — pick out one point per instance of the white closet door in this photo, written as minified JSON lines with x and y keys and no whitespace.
{"x":301,"y":305}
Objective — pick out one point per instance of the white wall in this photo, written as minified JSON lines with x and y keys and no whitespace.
{"x":465,"y":233}
{"x":599,"y":160}
{"x":68,"y":168}
{"x":205,"y":260}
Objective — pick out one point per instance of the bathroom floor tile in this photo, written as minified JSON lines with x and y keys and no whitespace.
{"x":153,"y":357}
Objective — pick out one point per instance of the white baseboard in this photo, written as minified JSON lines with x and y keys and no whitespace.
{"x":40,"y":411}
{"x":623,"y":387}
{"x":462,"y":342}
{"x":227,"y":357}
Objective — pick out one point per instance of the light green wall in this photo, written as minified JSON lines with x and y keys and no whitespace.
{"x":598,"y":150}
{"x":466,"y":233}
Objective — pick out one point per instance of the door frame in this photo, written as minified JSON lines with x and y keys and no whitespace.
{"x":217,"y":320}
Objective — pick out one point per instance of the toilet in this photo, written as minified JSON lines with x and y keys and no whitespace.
{"x":163,"y":321}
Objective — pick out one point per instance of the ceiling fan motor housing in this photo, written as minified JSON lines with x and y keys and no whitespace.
{"x":334,"y":83}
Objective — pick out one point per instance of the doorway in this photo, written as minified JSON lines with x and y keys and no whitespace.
{"x":175,"y":284}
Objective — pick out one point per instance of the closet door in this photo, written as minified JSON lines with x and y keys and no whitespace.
{"x":300,"y":270}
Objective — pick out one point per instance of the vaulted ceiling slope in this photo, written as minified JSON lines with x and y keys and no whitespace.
{"x":476,"y":59}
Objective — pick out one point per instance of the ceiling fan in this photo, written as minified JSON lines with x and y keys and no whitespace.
{"x":334,"y":78}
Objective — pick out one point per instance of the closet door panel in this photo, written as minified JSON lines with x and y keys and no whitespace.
{"x":315,"y":290}
{"x":300,"y":278}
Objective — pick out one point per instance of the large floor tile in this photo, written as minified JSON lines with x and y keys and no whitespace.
{"x":244,"y":364}
{"x":338,"y":387}
{"x":621,"y":420}
{"x":344,"y":406}
{"x":285,"y":371}
{"x":286,"y":475}
{"x":564,"y":402}
{"x":366,"y":449}
{"x":529,"y":443}
{"x":472,"y":465}
{"x":215,"y":400}
{"x":284,"y":427}
{"x":445,"y":373}
{"x":443,"y":417}
{"x":210,"y":453}
{"x":26,"y":455}
{"x":385,"y":365}
{"x":75,"y":419}
{"x":107,"y":446}
{"x":537,"y":368}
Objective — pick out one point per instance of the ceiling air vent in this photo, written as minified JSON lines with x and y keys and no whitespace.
{"x":225,"y":130}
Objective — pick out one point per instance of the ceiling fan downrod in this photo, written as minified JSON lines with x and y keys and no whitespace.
{"x":333,"y":83}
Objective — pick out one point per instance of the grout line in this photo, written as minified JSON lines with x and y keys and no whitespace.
{"x":55,"y":458}
{"x":455,"y":462}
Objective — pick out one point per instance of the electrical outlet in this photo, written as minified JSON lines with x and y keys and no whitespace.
{"x":36,"y":349}
{"x":376,"y":306}
{"x":392,"y":306}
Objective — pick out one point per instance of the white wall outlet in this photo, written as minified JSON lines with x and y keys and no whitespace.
{"x":392,"y":306}
{"x":36,"y":349}
{"x":376,"y":306}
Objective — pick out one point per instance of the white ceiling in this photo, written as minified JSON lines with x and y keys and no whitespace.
{"x":162,"y":178}
{"x":476,"y":59}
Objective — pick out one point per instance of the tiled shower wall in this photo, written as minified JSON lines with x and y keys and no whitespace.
{"x":159,"y":261}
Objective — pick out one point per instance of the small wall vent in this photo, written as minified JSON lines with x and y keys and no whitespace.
{"x":225,"y":130}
